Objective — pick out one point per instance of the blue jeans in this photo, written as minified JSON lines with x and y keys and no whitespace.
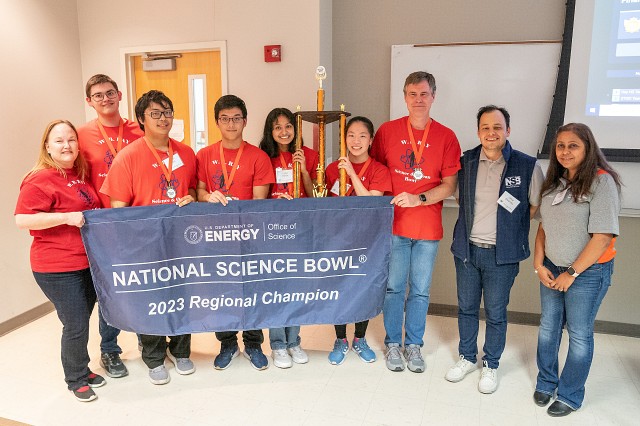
{"x":73,"y":295}
{"x":108,"y":335}
{"x":577,"y":308}
{"x":411,"y":263}
{"x":482,"y":277}
{"x":284,"y":337}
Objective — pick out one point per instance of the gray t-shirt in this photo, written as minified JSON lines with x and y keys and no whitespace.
{"x":568,"y":225}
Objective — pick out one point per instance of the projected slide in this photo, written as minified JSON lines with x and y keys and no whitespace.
{"x":614,"y":65}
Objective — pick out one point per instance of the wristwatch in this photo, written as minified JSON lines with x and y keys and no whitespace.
{"x":572,"y":271}
{"x":423,"y":198}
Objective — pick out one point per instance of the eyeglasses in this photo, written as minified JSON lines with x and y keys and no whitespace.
{"x":110,"y":94}
{"x":157,"y":114}
{"x":225,"y":120}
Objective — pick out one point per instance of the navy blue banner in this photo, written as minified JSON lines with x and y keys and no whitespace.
{"x":166,"y":270}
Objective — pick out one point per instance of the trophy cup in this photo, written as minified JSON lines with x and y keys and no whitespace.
{"x":321,"y":118}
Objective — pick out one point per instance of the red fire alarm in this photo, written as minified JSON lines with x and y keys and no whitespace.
{"x":273,"y":53}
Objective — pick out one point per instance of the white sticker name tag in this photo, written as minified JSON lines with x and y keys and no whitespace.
{"x":284,"y":175}
{"x":335,"y":189}
{"x":559,"y":197}
{"x":508,"y":201}
{"x":177,"y":162}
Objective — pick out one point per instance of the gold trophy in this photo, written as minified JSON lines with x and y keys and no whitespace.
{"x":321,"y":118}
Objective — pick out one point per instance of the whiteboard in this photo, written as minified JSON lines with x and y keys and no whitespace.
{"x":520,"y":77}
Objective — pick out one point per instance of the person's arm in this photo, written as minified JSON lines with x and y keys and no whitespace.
{"x":446,"y":188}
{"x":595,"y":248}
{"x":116,"y":204}
{"x":211,"y":197}
{"x":535,"y":186}
{"x":43,"y":220}
{"x":187,"y":199}
{"x":261,"y":192}
{"x":545,"y":275}
{"x":358,"y":186}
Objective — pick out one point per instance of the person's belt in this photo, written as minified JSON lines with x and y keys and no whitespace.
{"x":483,"y":245}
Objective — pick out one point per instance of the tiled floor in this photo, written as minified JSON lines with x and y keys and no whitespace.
{"x":355,"y":393}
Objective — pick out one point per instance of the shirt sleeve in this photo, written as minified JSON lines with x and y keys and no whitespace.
{"x":451,"y":157}
{"x":32,"y":200}
{"x":604,"y":207}
{"x":378,"y":146}
{"x":381,"y":179}
{"x":118,"y":185}
{"x":536,"y":185}
{"x":263,"y":172}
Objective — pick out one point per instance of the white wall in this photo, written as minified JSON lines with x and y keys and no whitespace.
{"x":40,"y":77}
{"x":246,"y":26}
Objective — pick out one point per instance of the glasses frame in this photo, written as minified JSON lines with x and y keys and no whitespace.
{"x":168,"y":113}
{"x":227,"y":120}
{"x":98,"y":97}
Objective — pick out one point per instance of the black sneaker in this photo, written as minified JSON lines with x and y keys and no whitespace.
{"x":95,"y":380}
{"x":113,"y":365}
{"x":85,"y":394}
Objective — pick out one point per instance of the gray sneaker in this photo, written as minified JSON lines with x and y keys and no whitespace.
{"x":394,"y":358}
{"x":159,"y":375}
{"x":183,"y":366}
{"x":414,"y":359}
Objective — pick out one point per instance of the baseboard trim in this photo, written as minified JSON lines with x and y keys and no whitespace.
{"x":527,"y":318}
{"x":26,"y":317}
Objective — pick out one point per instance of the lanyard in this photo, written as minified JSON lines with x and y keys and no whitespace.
{"x":417,"y":152}
{"x":360,"y":174}
{"x":284,"y":166}
{"x":108,"y":140}
{"x":228,"y":180}
{"x":165,"y":170}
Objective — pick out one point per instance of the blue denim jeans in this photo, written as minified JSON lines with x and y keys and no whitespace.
{"x":481,"y":277}
{"x":577,"y":308}
{"x":284,"y":337}
{"x":411,"y":263}
{"x":73,"y":295}
{"x":108,"y":335}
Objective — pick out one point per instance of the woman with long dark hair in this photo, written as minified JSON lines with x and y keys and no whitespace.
{"x":573,"y":258}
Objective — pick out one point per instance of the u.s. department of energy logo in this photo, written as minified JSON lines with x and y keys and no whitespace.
{"x":193,"y":234}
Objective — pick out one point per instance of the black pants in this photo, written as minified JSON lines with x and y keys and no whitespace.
{"x":154,"y":348}
{"x":251,"y":338}
{"x":361,"y":329}
{"x":73,"y":295}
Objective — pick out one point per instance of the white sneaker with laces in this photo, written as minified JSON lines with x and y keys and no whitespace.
{"x":281,"y":358}
{"x":460,"y":370}
{"x":488,"y":379}
{"x":298,"y":355}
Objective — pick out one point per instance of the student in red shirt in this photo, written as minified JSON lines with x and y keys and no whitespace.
{"x":423,"y":157}
{"x":278,"y":143}
{"x":365,"y":177}
{"x":50,"y":204}
{"x":233,"y":169}
{"x":100,"y":141}
{"x":154,"y":170}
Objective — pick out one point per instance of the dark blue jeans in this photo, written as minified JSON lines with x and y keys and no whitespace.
{"x":108,"y":335}
{"x":577,"y":309}
{"x":73,"y":295}
{"x":482,"y":277}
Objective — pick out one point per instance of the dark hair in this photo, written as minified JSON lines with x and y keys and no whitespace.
{"x":491,"y":108}
{"x":587,"y":171}
{"x":146,"y":99}
{"x":359,"y":119}
{"x":98,"y":79}
{"x":420,"y":76}
{"x":228,"y":102}
{"x":268,"y":144}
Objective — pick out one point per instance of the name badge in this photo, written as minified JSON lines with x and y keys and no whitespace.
{"x":284,"y":175}
{"x":335,"y":189}
{"x":177,"y":162}
{"x":559,"y":197}
{"x":508,"y":201}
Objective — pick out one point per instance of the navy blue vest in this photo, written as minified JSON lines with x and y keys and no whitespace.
{"x":512,"y":236}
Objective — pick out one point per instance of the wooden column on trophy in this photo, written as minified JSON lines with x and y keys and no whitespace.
{"x":321,"y":118}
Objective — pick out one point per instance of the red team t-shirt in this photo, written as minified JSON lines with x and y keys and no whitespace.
{"x":253,"y":169}
{"x":311,"y":160}
{"x":135,"y":177}
{"x":60,"y":248}
{"x":440,"y":158}
{"x":97,"y":153}
{"x":376,"y":177}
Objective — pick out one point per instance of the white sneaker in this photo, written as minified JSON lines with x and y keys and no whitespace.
{"x":460,"y":370}
{"x":299,"y":356}
{"x":488,"y":380}
{"x":281,"y":358}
